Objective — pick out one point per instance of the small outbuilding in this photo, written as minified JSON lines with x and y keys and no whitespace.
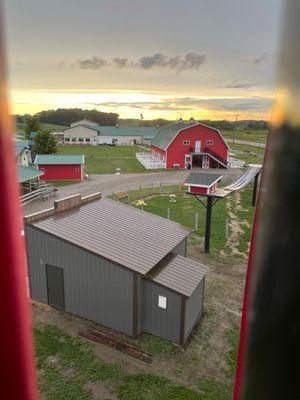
{"x":60,"y":167}
{"x":202,"y":183}
{"x":116,"y":265}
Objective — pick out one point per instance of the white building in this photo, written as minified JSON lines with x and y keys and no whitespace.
{"x":86,"y":132}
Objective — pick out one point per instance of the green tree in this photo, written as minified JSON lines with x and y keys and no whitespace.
{"x":45,"y":143}
{"x":32,"y":125}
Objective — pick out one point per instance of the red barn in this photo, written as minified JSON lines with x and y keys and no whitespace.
{"x":202,"y":183}
{"x":188,"y":145}
{"x":60,"y":167}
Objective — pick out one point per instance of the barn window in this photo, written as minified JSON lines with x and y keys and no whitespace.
{"x":87,"y":139}
{"x":186,"y":142}
{"x":67,"y":139}
{"x":42,"y":169}
{"x":209,"y":142}
{"x":81,"y":139}
{"x":74,"y":139}
{"x":162,"y":302}
{"x":77,"y":169}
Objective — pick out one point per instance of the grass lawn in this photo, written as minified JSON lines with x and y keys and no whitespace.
{"x":249,"y":154}
{"x":63,"y":183}
{"x":69,"y":370}
{"x":20,"y":127}
{"x":106,"y":159}
{"x":237,"y":205}
{"x":251,"y":135}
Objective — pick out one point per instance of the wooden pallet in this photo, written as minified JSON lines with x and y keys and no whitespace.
{"x":112,"y":340}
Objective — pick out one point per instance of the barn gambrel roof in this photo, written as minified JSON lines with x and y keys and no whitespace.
{"x":166,"y":134}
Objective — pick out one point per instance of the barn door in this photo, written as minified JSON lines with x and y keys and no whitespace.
{"x":197,"y":146}
{"x":55,"y":287}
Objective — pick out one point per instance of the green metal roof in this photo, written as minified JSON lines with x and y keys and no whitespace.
{"x":26,"y":173}
{"x":21,"y":145}
{"x":32,"y":135}
{"x":54,"y":159}
{"x":148,"y":132}
{"x":167,"y":133}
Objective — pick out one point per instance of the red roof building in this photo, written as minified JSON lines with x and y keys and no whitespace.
{"x":60,"y":167}
{"x":204,"y":183}
{"x":187,"y":145}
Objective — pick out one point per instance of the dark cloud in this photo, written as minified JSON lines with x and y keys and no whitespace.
{"x":191,"y":60}
{"x":239,"y":84}
{"x":121,"y":62}
{"x":263,"y":58}
{"x":91,"y":63}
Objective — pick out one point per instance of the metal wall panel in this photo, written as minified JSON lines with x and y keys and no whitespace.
{"x":157,"y":321}
{"x":94,"y":288}
{"x":180,"y":249}
{"x":194,"y":309}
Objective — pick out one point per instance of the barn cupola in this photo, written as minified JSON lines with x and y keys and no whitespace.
{"x":192,"y":121}
{"x":180,"y":121}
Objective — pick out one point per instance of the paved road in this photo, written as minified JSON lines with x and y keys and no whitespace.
{"x":107,"y":183}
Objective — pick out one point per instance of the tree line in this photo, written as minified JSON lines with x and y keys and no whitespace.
{"x":66,"y":116}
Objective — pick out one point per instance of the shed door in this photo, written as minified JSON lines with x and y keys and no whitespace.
{"x":55,"y":286}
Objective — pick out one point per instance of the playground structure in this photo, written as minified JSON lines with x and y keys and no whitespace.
{"x":251,"y":173}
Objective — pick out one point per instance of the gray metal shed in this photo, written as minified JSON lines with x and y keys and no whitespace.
{"x":116,"y":265}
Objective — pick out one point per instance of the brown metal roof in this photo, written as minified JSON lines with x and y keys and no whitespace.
{"x":128,"y":236}
{"x":179,"y":274}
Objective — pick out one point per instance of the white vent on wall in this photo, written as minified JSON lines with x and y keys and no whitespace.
{"x":162,"y":302}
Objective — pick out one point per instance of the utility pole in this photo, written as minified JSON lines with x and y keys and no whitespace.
{"x":235,"y":128}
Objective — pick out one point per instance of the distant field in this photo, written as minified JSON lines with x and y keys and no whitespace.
{"x":20,"y":127}
{"x":251,"y":135}
{"x":106,"y":159}
{"x":249,"y":154}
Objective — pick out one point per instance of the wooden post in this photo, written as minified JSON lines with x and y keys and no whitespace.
{"x":254,"y":193}
{"x":168,"y":213}
{"x":209,"y":206}
{"x":226,"y":228}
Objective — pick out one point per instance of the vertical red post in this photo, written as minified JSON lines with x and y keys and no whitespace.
{"x":17,"y":371}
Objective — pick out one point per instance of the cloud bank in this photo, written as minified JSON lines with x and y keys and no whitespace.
{"x":190,"y":61}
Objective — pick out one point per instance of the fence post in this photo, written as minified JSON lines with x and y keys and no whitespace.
{"x":112,"y":195}
{"x":196,"y":222}
{"x":168,"y":213}
{"x":140,"y":188}
{"x":160,"y":187}
{"x":226,"y":227}
{"x":152,"y":187}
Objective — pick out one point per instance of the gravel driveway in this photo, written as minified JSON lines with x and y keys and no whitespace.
{"x":107,"y":183}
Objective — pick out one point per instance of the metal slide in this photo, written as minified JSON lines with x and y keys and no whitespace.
{"x":245,"y":178}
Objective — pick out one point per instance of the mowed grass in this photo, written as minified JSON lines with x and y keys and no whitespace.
{"x":249,"y":154}
{"x":20,"y":127}
{"x":187,"y":206}
{"x":107,"y":159}
{"x":68,"y":370}
{"x":251,"y":135}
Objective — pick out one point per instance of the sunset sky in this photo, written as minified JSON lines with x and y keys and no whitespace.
{"x":163,"y":58}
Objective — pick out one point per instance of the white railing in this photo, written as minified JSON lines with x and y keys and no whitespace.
{"x":235,"y":163}
{"x":149,"y":161}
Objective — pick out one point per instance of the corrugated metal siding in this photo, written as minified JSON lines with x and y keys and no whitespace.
{"x":193,"y":309}
{"x":94,"y":288}
{"x":180,"y":249}
{"x":157,"y":321}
